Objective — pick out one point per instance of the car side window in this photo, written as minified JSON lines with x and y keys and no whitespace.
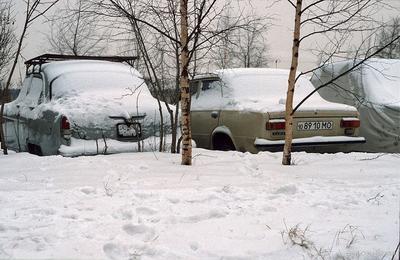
{"x":194,"y":88}
{"x":206,"y":87}
{"x":208,"y":94}
{"x":33,"y":91}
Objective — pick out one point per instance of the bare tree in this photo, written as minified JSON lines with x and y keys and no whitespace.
{"x":7,"y":38}
{"x":155,"y":52}
{"x":161,"y":22}
{"x":244,"y":47}
{"x":34,"y":9}
{"x":386,"y":34}
{"x":7,"y":41}
{"x":336,"y":22}
{"x":76,"y":31}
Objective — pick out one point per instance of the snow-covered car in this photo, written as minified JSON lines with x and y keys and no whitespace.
{"x":81,"y":107}
{"x":243,"y":109}
{"x":374,"y":88}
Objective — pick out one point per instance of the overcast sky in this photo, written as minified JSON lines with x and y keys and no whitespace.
{"x":278,"y":38}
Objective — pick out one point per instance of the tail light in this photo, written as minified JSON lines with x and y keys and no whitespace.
{"x":65,"y":123}
{"x":65,"y":128}
{"x":275,"y":124}
{"x":350,"y":123}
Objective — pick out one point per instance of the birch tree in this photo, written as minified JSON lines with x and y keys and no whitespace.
{"x":286,"y":160}
{"x":336,"y":23}
{"x":184,"y":83}
{"x":164,"y":20}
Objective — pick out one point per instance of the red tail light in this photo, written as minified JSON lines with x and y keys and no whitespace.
{"x":275,"y":125}
{"x":65,"y":123}
{"x":350,"y":123}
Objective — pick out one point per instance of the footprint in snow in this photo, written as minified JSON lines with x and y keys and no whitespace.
{"x":212,"y":214}
{"x":88,"y":190}
{"x":114,"y":251}
{"x":194,"y":246}
{"x":251,"y":168}
{"x":173,"y":200}
{"x":146,"y":211}
{"x":44,"y":212}
{"x":267,"y":208}
{"x":287,"y":189}
{"x":140,"y":231}
{"x":70,"y":216}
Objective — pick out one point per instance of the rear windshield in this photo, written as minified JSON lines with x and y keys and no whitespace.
{"x":264,"y":86}
{"x":94,"y":83}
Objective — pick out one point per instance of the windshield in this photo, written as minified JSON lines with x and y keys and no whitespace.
{"x":267,"y":88}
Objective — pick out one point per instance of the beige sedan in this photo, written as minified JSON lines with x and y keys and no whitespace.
{"x":243,"y":109}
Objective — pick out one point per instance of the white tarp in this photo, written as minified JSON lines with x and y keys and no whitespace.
{"x":374,"y":88}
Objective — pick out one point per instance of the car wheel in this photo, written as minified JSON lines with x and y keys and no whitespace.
{"x":223,"y":142}
{"x":35,"y":149}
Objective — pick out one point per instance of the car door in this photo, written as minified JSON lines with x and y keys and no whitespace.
{"x":11,"y":116}
{"x":205,"y":109}
{"x":31,"y":97}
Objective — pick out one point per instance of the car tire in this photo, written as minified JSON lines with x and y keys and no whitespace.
{"x":35,"y":149}
{"x":222,"y":142}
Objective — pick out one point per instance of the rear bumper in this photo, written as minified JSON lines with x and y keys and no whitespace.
{"x":80,"y":147}
{"x":309,"y":143}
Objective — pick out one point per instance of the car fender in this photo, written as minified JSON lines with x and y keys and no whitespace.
{"x":223,"y":130}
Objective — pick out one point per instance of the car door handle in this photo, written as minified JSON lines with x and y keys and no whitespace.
{"x":214,"y":114}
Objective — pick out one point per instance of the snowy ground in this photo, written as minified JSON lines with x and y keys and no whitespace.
{"x":229,"y":205}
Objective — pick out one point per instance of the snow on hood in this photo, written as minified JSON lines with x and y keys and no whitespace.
{"x":264,"y":90}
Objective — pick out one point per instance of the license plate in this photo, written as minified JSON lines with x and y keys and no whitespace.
{"x":314,"y":125}
{"x":128,"y":130}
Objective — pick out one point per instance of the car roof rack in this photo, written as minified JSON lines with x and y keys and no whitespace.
{"x":47,"y":58}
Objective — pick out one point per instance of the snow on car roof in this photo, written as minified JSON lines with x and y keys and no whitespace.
{"x":262,"y":89}
{"x":55,"y":69}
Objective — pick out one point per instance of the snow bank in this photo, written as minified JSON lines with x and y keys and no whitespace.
{"x":228,"y":205}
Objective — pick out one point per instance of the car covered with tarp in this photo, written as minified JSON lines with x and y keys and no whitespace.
{"x":373,"y":88}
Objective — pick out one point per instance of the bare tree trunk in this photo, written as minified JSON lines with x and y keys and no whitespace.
{"x":287,"y":150}
{"x":184,"y":83}
{"x":175,"y":126}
